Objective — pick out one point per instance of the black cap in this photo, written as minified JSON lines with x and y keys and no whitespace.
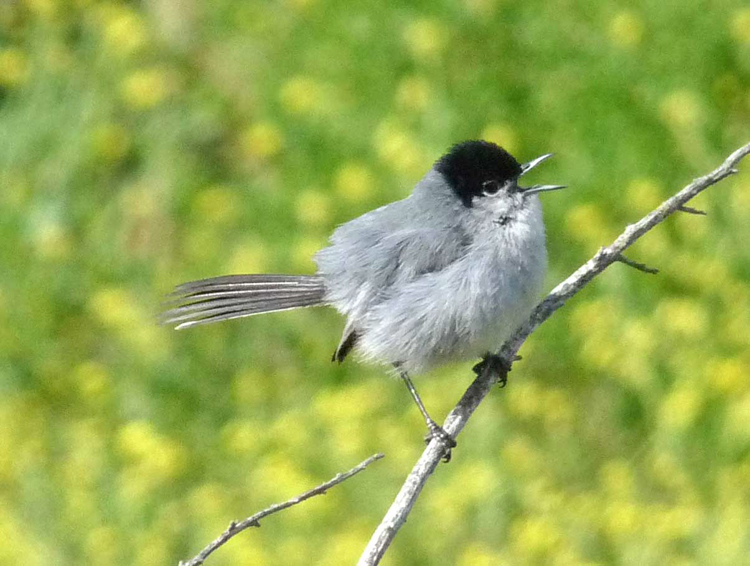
{"x":469,"y":164}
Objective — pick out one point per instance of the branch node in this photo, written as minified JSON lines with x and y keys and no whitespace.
{"x":691,"y":210}
{"x":636,"y":265}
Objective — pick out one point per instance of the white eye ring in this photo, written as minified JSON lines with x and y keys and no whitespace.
{"x":491,"y":187}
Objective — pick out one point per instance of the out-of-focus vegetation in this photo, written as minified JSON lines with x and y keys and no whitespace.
{"x":147,"y":143}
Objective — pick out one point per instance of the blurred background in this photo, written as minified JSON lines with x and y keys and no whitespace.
{"x":143,"y":144}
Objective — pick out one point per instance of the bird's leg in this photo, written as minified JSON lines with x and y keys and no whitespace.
{"x":497,"y":364}
{"x":435,"y":430}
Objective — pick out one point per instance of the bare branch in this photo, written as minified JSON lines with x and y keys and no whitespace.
{"x":691,"y":210}
{"x":254,"y":521}
{"x":478,"y":390}
{"x":636,"y":265}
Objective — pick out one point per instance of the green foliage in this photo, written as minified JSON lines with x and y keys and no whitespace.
{"x":145,"y":144}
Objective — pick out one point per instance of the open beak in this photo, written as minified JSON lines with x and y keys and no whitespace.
{"x":542,"y":189}
{"x":526,"y":167}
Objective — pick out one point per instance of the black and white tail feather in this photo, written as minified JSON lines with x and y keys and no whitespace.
{"x":236,"y":296}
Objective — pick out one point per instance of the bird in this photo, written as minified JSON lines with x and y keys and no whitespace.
{"x":443,"y":275}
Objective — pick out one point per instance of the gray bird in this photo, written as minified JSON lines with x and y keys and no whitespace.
{"x":446,"y":274}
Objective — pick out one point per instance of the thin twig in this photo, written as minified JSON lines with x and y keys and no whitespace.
{"x":691,"y":210}
{"x":636,"y":265}
{"x":254,"y":521}
{"x":478,"y":390}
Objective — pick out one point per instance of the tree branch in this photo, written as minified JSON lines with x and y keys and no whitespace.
{"x":254,"y":521}
{"x":478,"y":390}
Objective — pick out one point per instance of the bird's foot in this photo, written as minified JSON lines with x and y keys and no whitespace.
{"x":497,"y":364}
{"x":448,"y":442}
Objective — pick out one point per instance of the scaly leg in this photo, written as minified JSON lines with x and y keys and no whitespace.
{"x":435,"y":430}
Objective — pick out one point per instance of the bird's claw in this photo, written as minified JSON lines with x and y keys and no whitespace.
{"x":497,"y":364}
{"x":448,"y":442}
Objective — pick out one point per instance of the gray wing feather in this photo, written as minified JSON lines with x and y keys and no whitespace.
{"x":375,"y":254}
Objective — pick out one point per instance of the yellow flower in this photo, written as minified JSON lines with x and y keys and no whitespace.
{"x":524,"y":399}
{"x":681,"y":109}
{"x":250,"y":387}
{"x":345,"y":547}
{"x":157,"y":457}
{"x":616,"y":478}
{"x":354,"y":182}
{"x":217,"y":205}
{"x":115,"y":307}
{"x":673,"y":523}
{"x":111,"y":142}
{"x":279,"y":476}
{"x":124,"y":31}
{"x":208,"y":499}
{"x":102,"y":545}
{"x":313,"y":207}
{"x":44,"y":8}
{"x":303,"y":251}
{"x":413,"y":93}
{"x":585,"y":223}
{"x":152,"y":548}
{"x":669,"y":473}
{"x":14,"y":67}
{"x":644,"y":195}
{"x":737,"y":427}
{"x":302,"y":95}
{"x":681,"y":407}
{"x":137,"y":439}
{"x":477,"y":554}
{"x":740,"y":25}
{"x":399,"y":149}
{"x":249,"y":256}
{"x":558,"y":411}
{"x":351,"y":403}
{"x":521,"y":456}
{"x":241,"y":437}
{"x":290,"y":430}
{"x":626,"y":29}
{"x":534,"y":537}
{"x":622,"y":518}
{"x":262,"y":140}
{"x":93,"y":380}
{"x":147,"y":88}
{"x":728,"y":375}
{"x":425,"y":38}
{"x":503,"y":135}
{"x":684,"y":317}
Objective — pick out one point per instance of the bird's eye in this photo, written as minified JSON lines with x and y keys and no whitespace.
{"x":491,"y":187}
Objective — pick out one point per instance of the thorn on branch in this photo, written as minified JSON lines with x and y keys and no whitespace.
{"x":639,"y":266}
{"x":691,"y":210}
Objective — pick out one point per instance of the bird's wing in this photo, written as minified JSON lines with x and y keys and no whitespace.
{"x":364,"y":266}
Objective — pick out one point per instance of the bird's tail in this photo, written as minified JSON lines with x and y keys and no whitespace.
{"x":235,"y":296}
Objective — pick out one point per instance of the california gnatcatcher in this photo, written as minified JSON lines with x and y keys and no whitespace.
{"x":445,"y":274}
